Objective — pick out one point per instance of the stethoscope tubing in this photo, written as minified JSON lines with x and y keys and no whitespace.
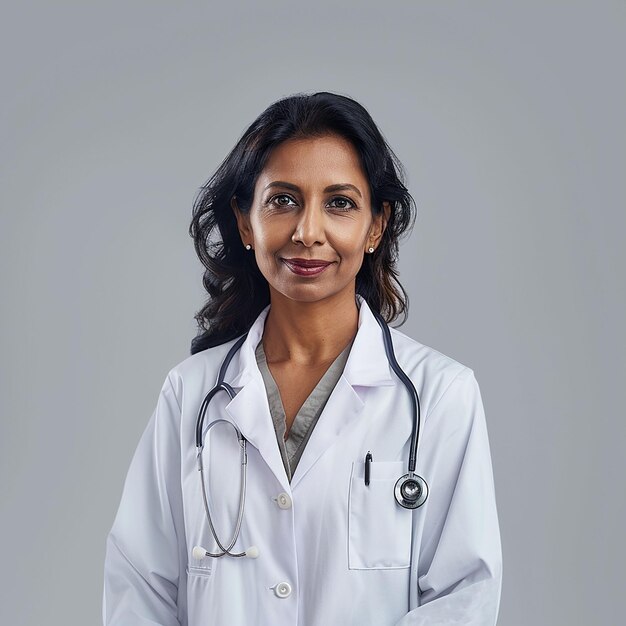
{"x":242,"y":495}
{"x":222,"y":386}
{"x":408,"y":383}
{"x":219,"y":385}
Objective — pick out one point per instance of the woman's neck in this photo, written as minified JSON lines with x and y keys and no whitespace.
{"x":309,"y":333}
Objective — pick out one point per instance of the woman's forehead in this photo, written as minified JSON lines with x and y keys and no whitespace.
{"x":324,"y":160}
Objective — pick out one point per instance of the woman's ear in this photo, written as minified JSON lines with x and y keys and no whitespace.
{"x":243,"y":223}
{"x":379,"y":223}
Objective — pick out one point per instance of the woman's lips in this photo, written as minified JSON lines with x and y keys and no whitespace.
{"x":306,"y":267}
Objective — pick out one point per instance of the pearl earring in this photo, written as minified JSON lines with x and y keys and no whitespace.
{"x":248,"y":246}
{"x":370,"y":250}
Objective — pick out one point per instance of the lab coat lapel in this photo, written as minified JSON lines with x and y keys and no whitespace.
{"x":249,"y":409}
{"x":343,"y":407}
{"x":367,"y":366}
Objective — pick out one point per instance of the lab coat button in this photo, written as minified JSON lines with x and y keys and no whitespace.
{"x":283,"y":590}
{"x":283,"y":500}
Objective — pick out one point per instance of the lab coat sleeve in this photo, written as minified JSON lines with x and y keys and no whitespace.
{"x":460,"y":564}
{"x":144,"y":549}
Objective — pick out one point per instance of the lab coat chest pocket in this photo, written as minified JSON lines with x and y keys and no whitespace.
{"x":379,"y":529}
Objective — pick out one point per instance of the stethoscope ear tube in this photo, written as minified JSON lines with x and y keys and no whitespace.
{"x":242,"y":496}
{"x":220,"y":385}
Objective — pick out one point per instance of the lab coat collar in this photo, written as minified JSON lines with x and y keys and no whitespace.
{"x":367,"y":363}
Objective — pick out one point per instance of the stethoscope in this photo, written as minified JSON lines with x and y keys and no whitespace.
{"x":410,"y":490}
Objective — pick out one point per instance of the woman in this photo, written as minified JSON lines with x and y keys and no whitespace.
{"x":298,"y":231}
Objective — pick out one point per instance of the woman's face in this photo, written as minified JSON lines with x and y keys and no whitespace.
{"x":311,"y":221}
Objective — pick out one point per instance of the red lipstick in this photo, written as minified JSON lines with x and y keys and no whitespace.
{"x":306,"y":267}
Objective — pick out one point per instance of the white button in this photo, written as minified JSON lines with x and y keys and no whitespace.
{"x":283,"y":500}
{"x":283,"y":590}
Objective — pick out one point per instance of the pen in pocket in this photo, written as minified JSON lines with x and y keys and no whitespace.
{"x":368,"y":460}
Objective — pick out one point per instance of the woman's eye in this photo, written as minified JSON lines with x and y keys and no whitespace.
{"x":343,"y":200}
{"x":282,"y":199}
{"x":275,"y":199}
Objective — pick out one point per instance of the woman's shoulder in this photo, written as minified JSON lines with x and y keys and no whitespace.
{"x":430,"y":369}
{"x":411,"y":352}
{"x":440,"y":380}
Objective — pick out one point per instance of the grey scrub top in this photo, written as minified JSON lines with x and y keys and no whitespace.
{"x":291,"y":448}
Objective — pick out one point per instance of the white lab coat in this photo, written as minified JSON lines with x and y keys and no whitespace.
{"x":349,"y":553}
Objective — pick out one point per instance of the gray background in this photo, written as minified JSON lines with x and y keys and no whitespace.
{"x":509,"y":118}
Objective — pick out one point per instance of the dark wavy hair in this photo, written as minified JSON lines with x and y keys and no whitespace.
{"x":237,"y":290}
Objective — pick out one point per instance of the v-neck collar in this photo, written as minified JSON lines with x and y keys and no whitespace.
{"x":270,"y":381}
{"x":291,"y":447}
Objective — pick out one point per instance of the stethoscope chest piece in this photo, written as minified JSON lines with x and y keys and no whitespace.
{"x":411,"y":491}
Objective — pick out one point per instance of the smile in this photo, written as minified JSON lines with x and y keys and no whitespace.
{"x":304,"y":267}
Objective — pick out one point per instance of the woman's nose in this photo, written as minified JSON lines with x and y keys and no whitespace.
{"x":309,"y":228}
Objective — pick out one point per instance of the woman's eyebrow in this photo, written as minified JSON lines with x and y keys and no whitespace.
{"x":337,"y":187}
